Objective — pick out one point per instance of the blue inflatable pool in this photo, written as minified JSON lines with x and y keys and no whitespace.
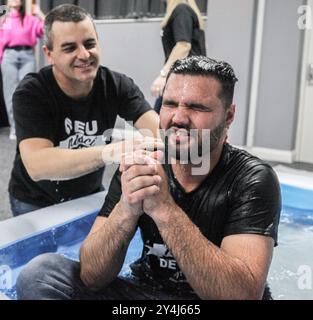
{"x":66,"y":237}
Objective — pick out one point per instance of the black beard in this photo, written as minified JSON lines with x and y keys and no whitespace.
{"x":197,"y":151}
{"x":216,"y":134}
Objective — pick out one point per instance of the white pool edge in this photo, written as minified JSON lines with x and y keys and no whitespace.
{"x":11,"y":230}
{"x":293,"y":177}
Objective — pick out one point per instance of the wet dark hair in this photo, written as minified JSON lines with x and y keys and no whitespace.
{"x":204,"y":66}
{"x":63,"y":13}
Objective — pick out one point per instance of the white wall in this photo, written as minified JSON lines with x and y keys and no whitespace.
{"x":277,"y":111}
{"x":134,"y":48}
{"x":229,"y":36}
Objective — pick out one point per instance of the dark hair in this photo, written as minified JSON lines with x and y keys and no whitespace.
{"x":63,"y":13}
{"x":204,"y":66}
{"x":22,"y":11}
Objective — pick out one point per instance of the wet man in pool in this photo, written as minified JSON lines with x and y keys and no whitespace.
{"x":208,"y":227}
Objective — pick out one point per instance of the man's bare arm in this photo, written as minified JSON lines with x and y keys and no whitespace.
{"x":150,"y":121}
{"x":237,"y":270}
{"x":43,"y":161}
{"x":103,"y":252}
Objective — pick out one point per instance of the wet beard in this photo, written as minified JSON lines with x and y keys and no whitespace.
{"x":197,"y":150}
{"x":216,"y":135}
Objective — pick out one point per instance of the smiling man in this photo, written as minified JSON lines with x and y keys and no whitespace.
{"x":207,"y":236}
{"x":62,"y":112}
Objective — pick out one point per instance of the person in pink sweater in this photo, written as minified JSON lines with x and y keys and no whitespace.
{"x":18,"y":36}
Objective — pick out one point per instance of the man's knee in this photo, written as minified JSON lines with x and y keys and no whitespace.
{"x":41,"y":273}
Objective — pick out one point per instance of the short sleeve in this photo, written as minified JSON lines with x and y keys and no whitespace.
{"x":182,"y":24}
{"x":113,"y":196}
{"x":132,"y":101}
{"x":255,"y":203}
{"x":32,"y":111}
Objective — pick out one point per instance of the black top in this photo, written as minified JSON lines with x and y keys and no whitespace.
{"x":241,"y":195}
{"x":43,"y":110}
{"x":3,"y":112}
{"x":183,"y":25}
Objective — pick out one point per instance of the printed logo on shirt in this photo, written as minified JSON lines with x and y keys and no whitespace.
{"x":164,"y":256}
{"x":166,"y":262}
{"x":78,"y":127}
{"x":81,"y":134}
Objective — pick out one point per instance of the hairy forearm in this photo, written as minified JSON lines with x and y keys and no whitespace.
{"x":103,"y":252}
{"x":50,"y":163}
{"x":63,"y":164}
{"x":211,"y":272}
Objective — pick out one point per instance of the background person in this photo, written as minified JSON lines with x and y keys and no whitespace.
{"x":208,"y":236}
{"x":62,"y":112}
{"x":3,"y":113}
{"x":18,"y":37}
{"x":182,"y":35}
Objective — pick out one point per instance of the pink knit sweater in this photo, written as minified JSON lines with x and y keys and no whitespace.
{"x":14,"y":33}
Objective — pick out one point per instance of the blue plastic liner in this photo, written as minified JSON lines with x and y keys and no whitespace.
{"x":67,"y":238}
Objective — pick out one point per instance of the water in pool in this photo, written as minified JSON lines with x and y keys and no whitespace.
{"x":291,"y":272}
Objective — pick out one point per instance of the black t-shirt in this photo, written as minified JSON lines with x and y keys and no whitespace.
{"x":241,"y":195}
{"x":183,"y":25}
{"x":43,"y":110}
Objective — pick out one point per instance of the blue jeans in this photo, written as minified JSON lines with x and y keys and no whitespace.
{"x":19,"y":207}
{"x":15,"y":65}
{"x":51,"y":276}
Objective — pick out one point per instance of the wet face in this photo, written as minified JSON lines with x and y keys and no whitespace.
{"x":190,"y":105}
{"x":75,"y":54}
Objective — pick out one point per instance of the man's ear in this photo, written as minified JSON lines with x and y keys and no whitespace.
{"x":48,"y":54}
{"x":230,"y":115}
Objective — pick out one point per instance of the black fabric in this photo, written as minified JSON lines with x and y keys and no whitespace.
{"x":43,"y":110}
{"x":241,"y":195}
{"x":3,"y":112}
{"x":183,"y":25}
{"x":19,"y":48}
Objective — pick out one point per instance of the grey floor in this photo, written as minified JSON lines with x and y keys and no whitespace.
{"x":7,"y":153}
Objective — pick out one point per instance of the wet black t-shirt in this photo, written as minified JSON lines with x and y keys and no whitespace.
{"x":183,"y":25}
{"x":43,"y":110}
{"x":241,"y":195}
